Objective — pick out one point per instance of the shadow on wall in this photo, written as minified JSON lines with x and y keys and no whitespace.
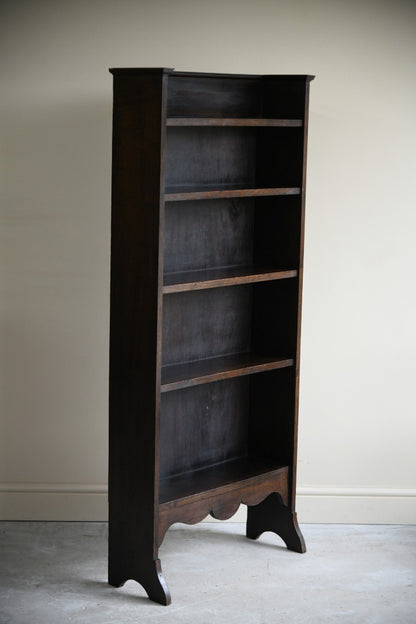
{"x":56,"y":245}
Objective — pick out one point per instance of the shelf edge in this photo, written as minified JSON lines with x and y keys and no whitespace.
{"x":230,"y":193}
{"x":233,"y":121}
{"x":228,"y":281}
{"x":239,"y":371}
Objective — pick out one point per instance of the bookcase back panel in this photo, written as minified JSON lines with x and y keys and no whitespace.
{"x":262,"y":157}
{"x":248,"y":417}
{"x":212,"y":421}
{"x":213,"y":97}
{"x":259,"y":318}
{"x":201,"y":235}
{"x":217,"y":233}
{"x":206,"y":323}
{"x":267,"y":97}
{"x":198,"y":156}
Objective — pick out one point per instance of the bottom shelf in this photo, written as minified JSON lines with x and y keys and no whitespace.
{"x":219,"y":490}
{"x":219,"y":479}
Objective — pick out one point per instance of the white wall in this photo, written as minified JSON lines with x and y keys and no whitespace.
{"x":357,"y":410}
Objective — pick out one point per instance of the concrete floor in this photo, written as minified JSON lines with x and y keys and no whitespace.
{"x":55,"y":573}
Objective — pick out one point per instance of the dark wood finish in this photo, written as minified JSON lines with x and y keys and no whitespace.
{"x":218,"y":491}
{"x":212,"y":419}
{"x":222,"y":191}
{"x":199,"y":372}
{"x":213,"y":96}
{"x":209,"y":235}
{"x":224,"y":276}
{"x":206,"y":274}
{"x":273,"y":514}
{"x":233,"y":121}
{"x":136,"y":264}
{"x":191,"y":321}
{"x":220,"y":479}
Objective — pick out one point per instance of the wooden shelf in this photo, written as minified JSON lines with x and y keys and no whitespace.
{"x":234,"y":121}
{"x":223,"y":276}
{"x":219,"y":479}
{"x":177,"y":376}
{"x":223,"y":191}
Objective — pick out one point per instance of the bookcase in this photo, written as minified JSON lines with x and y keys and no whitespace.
{"x":208,"y":192}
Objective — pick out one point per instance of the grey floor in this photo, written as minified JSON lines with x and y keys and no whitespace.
{"x":55,"y":572}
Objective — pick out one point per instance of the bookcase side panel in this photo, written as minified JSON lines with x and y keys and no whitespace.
{"x":305,"y":112}
{"x":135,"y":321}
{"x":279,"y":229}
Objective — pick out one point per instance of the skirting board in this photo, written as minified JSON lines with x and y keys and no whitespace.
{"x":66,"y":502}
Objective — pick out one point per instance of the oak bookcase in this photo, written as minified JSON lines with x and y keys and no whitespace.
{"x":208,"y":192}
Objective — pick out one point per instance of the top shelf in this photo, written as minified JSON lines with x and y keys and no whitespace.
{"x":234,"y":121}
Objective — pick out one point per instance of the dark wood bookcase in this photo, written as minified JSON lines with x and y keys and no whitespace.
{"x":208,"y":193}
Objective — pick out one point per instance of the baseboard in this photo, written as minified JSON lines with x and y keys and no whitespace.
{"x":53,"y":501}
{"x":85,"y":502}
{"x":356,"y":505}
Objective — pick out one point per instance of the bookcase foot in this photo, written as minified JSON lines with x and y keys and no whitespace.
{"x":155,"y":585}
{"x":116,"y":581}
{"x":272,"y":515}
{"x":151,"y":579}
